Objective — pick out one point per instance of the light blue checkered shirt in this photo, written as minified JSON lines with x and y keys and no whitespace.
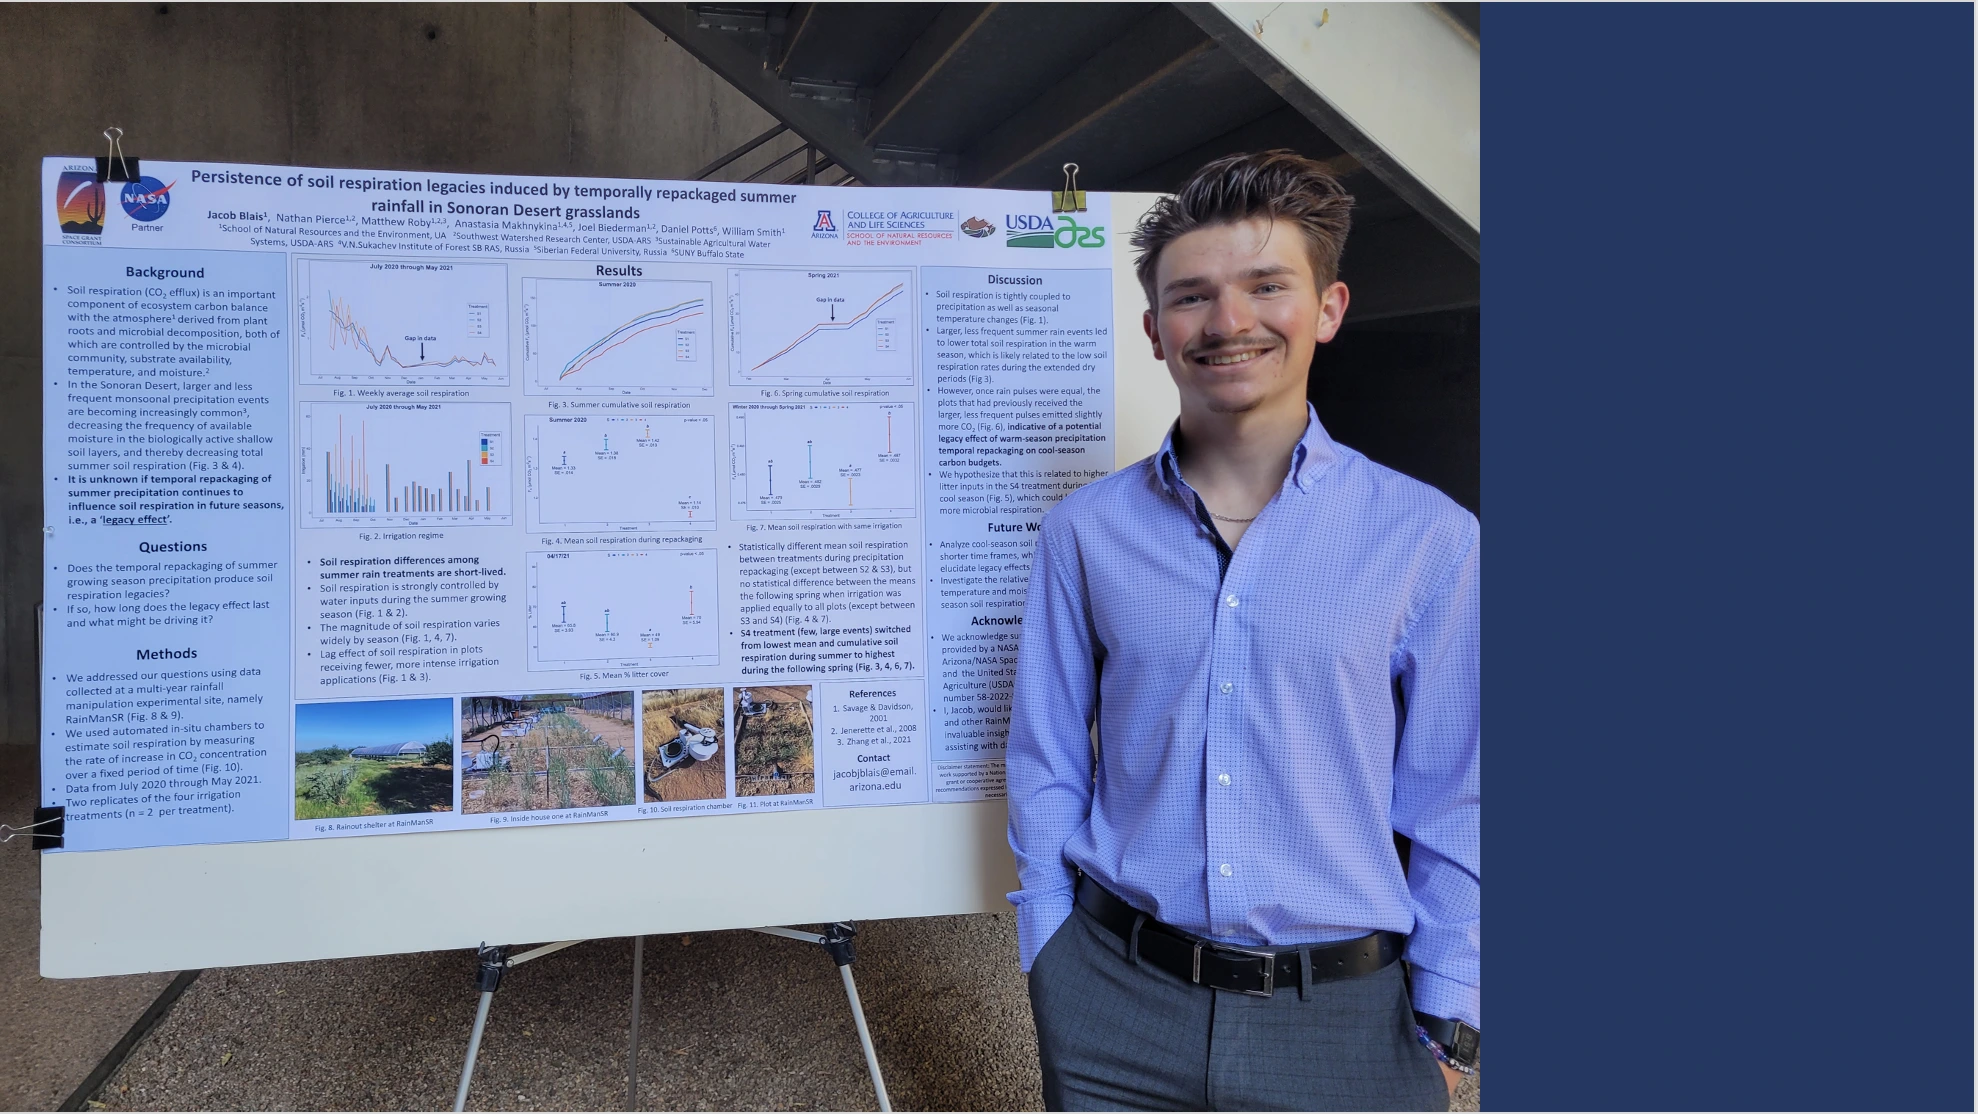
{"x":1253,"y":760}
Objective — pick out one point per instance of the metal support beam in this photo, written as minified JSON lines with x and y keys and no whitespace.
{"x":1420,"y":136}
{"x":740,"y":151}
{"x":739,"y":46}
{"x":924,"y":61}
{"x":1151,"y":52}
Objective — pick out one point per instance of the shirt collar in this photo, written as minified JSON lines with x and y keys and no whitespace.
{"x":1313,"y":454}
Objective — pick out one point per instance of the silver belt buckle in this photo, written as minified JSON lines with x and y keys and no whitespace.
{"x":1270,"y":970}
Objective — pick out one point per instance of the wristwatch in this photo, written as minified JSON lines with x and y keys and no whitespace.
{"x":1460,"y":1040}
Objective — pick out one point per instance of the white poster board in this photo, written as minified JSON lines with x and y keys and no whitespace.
{"x":342,"y":465}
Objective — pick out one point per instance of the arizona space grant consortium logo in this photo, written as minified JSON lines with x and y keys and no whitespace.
{"x":79,"y":203}
{"x":146,"y":199}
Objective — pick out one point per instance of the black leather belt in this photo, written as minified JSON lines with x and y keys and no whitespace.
{"x":1258,"y":971}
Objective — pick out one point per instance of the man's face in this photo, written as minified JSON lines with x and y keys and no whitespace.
{"x":1237,"y":314}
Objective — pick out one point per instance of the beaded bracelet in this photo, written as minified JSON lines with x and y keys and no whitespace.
{"x":1432,"y":1045}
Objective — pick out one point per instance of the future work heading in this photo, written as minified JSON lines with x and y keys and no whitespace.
{"x":443,"y":192}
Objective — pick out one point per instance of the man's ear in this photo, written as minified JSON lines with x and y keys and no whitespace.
{"x":1332,"y":311}
{"x":1153,"y":333}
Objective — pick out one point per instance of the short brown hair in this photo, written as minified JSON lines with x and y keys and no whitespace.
{"x":1275,"y":185}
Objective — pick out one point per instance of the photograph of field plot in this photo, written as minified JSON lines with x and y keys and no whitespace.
{"x":686,"y":759}
{"x":773,"y":738}
{"x":373,"y":758}
{"x":550,"y":751}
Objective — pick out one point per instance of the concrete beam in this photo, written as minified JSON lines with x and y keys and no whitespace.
{"x":1397,"y":85}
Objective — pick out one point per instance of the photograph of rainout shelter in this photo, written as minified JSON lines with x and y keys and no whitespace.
{"x":373,"y":758}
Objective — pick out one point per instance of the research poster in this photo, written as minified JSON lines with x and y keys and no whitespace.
{"x":389,"y":502}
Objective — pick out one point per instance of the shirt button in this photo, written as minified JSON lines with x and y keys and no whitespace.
{"x":1226,"y":872}
{"x":1222,"y":779}
{"x":1230,"y":599}
{"x":1228,"y":688}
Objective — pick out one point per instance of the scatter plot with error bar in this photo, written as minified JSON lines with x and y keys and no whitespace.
{"x":593,"y":607}
{"x":839,"y":325}
{"x":822,"y":460}
{"x":387,"y":321}
{"x":620,"y":471}
{"x":617,"y":336}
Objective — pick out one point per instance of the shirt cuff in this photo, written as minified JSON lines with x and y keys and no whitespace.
{"x":1439,"y":997}
{"x":1037,"y":919}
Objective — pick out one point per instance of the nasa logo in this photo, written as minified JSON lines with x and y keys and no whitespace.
{"x":146,"y":199}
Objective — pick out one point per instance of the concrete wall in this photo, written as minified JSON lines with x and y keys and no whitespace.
{"x":496,"y":88}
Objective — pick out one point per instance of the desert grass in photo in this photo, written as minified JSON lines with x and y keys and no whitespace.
{"x":774,"y":736}
{"x":373,"y":758}
{"x":673,"y":718}
{"x":552,"y":751}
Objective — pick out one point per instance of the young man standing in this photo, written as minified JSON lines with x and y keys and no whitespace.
{"x":1276,"y":641}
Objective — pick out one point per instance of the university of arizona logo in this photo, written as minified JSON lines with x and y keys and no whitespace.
{"x":824,"y":222}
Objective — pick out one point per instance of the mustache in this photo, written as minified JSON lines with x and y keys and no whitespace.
{"x":1211,"y":348}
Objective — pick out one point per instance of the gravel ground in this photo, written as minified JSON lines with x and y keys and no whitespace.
{"x":731,"y":1020}
{"x":52,"y":1031}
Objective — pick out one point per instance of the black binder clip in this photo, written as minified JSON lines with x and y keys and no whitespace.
{"x":114,"y":167}
{"x":48,"y":825}
{"x":1071,"y":199}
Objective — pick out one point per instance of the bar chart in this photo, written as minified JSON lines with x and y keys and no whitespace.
{"x":406,"y":464}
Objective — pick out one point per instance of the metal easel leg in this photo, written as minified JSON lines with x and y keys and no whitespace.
{"x":838,"y":944}
{"x":632,"y":1052}
{"x":493,"y":964}
{"x":865,"y":1039}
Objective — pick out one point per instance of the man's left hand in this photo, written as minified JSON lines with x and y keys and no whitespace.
{"x":1450,"y":1076}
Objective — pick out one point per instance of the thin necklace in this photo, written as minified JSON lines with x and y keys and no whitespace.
{"x":1226,"y":518}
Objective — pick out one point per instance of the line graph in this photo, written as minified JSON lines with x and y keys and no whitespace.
{"x":630,"y":607}
{"x":821,"y":460}
{"x":402,"y":322}
{"x":848,"y":325}
{"x":346,"y":332}
{"x":616,"y":336}
{"x":834,"y":324}
{"x":620,"y":471}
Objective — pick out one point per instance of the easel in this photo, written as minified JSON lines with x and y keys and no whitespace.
{"x":494,"y":962}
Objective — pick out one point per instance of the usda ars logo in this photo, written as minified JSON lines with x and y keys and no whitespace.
{"x":1029,"y":230}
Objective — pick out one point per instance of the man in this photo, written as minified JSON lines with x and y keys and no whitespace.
{"x":1273,"y":642}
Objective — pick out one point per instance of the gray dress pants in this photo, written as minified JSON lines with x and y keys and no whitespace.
{"x":1119,"y":1035}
